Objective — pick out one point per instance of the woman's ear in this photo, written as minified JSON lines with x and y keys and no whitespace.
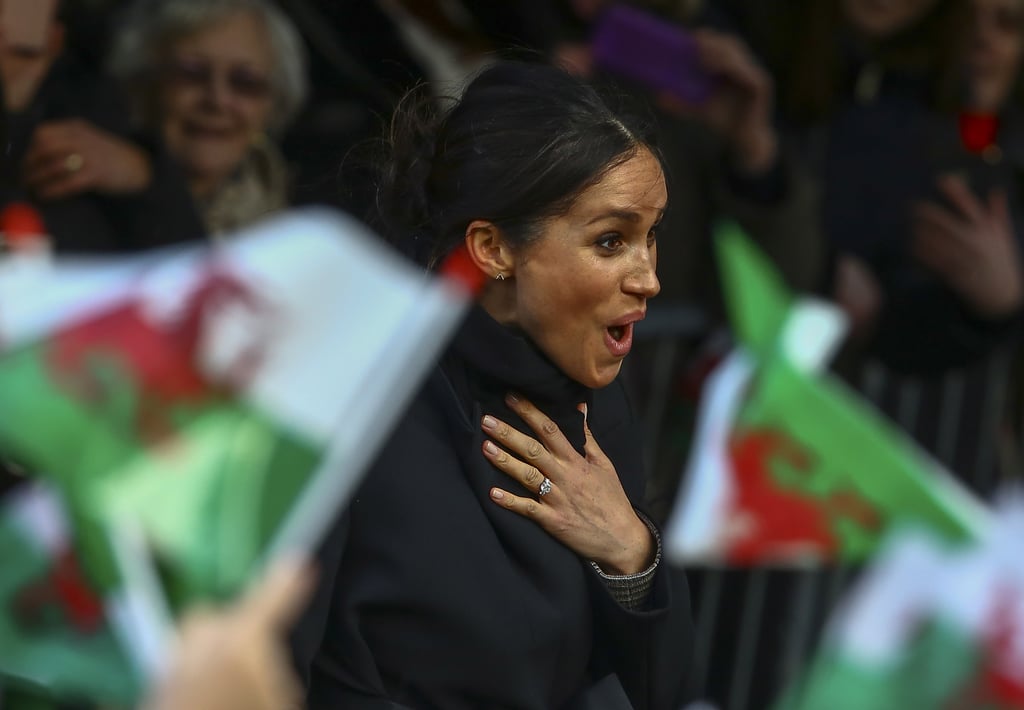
{"x":489,"y":249}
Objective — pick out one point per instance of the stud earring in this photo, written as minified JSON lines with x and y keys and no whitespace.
{"x":499,"y":277}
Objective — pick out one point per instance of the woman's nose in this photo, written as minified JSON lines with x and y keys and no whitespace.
{"x":216,"y":90}
{"x":643,"y":280}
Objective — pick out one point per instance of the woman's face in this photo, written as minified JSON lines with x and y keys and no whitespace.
{"x":997,"y":44}
{"x":215,"y":98}
{"x":583,"y":284}
{"x":881,"y":19}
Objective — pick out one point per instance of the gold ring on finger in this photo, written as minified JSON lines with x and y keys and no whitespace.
{"x":74,"y":162}
{"x":545,"y":487}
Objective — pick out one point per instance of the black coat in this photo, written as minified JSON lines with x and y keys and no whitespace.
{"x":434,"y":596}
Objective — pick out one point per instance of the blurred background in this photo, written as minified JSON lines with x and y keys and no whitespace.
{"x":873,"y":149}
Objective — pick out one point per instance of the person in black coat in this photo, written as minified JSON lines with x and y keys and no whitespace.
{"x":493,"y":557}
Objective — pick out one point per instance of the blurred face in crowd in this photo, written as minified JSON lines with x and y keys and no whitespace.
{"x":581,"y":286}
{"x":879,"y":19}
{"x":996,"y":48}
{"x":33,"y":39}
{"x":216,"y":98}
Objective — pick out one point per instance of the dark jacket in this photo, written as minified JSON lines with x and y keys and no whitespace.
{"x":876,"y":158}
{"x":434,"y":596}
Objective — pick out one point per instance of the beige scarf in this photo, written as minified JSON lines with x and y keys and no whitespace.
{"x":258,"y":188}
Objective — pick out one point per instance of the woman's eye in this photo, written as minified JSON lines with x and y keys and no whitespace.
{"x":610,"y":242}
{"x":652,"y":237}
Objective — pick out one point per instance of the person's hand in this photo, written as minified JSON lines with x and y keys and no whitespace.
{"x":574,"y":57}
{"x":73,"y":156}
{"x":971,"y":247}
{"x":858,"y":293}
{"x":740,"y":109}
{"x":234,"y":659}
{"x":586,"y":508}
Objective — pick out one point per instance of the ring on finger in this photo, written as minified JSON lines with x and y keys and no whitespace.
{"x":74,"y":162}
{"x":545,"y":487}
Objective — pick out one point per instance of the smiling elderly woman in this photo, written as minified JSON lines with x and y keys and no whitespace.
{"x":215,"y":77}
{"x":493,"y":557}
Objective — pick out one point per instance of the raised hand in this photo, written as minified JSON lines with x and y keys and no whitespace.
{"x":858,"y":293}
{"x":236,"y":658}
{"x":585,"y":507}
{"x":740,"y":109}
{"x":971,"y":246}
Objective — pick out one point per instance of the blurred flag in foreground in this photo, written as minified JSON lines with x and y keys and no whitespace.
{"x":787,"y":464}
{"x":58,"y":629}
{"x":223,"y":401}
{"x":929,"y":628}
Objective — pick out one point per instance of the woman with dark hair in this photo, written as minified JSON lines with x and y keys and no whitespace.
{"x":493,"y":556}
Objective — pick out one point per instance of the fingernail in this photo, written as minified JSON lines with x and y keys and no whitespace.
{"x":512,"y":398}
{"x":497,"y":494}
{"x":490,"y":422}
{"x":490,"y":448}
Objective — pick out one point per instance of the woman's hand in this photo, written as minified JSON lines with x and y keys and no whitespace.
{"x":236,"y":658}
{"x":740,"y":109}
{"x":73,"y":156}
{"x":972,"y":248}
{"x":586,"y":508}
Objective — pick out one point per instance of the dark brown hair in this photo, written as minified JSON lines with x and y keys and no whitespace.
{"x":517,"y":149}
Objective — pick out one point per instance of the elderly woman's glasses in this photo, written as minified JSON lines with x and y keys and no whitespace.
{"x":240,"y":80}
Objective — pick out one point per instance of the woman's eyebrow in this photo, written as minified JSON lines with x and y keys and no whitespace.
{"x":623,"y":214}
{"x":626,"y":215}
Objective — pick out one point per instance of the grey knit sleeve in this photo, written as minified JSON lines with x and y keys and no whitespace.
{"x":632,"y":590}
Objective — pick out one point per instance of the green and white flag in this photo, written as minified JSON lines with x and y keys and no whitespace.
{"x":929,"y":628}
{"x":221,"y":401}
{"x":58,"y":630}
{"x":788,"y":465}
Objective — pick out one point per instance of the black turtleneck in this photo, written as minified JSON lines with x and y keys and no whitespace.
{"x":487,"y":360}
{"x":432,"y":595}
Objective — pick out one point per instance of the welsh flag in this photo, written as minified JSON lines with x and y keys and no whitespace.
{"x":929,"y":628}
{"x":788,"y":465}
{"x":220,"y":401}
{"x":58,"y":630}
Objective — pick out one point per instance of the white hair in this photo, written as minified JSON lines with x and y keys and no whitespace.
{"x":152,"y":25}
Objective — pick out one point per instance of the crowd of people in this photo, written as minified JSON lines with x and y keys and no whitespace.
{"x":504,"y":550}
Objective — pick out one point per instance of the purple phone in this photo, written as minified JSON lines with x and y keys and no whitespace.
{"x":652,"y":51}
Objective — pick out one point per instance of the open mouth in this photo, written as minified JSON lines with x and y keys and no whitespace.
{"x":619,"y":339}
